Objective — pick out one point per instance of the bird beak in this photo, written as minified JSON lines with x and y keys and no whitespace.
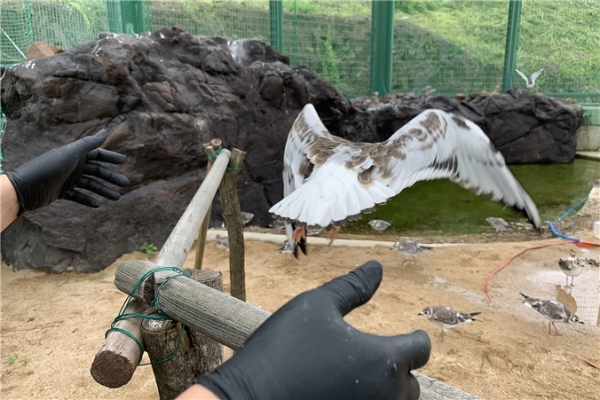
{"x":421,"y":313}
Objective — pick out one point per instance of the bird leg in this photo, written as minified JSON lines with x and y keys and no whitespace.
{"x":333,"y":233}
{"x":442,"y":334}
{"x":299,"y":233}
{"x":555,"y":329}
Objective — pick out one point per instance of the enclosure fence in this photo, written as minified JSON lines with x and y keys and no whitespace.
{"x":361,"y":46}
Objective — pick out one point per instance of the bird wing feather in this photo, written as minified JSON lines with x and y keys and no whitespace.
{"x":522,"y":76}
{"x":329,"y":179}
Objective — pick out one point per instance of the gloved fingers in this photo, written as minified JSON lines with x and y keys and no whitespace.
{"x":105,"y":173}
{"x":353,"y":289}
{"x":94,"y":186}
{"x":88,"y":143}
{"x":81,"y":198}
{"x":411,"y":350}
{"x":409,"y":390}
{"x":107,"y":156}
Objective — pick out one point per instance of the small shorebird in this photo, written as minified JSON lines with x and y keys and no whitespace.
{"x":571,"y":267}
{"x":222,"y":242}
{"x":409,"y":248}
{"x":553,"y":310}
{"x":530,"y":81}
{"x":246,"y":217}
{"x":379,"y":225}
{"x":447,"y":318}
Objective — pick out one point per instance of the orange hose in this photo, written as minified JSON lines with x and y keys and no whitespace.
{"x":507,"y":261}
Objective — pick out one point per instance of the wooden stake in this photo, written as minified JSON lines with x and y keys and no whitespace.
{"x":211,"y":151}
{"x":235,"y":225}
{"x":172,"y":253}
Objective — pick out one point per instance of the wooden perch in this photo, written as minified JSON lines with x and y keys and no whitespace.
{"x":217,"y":315}
{"x":228,"y":320}
{"x":235,"y":225}
{"x":172,"y":253}
{"x":118,"y":358}
{"x":211,"y":151}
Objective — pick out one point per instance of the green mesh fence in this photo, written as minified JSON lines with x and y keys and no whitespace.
{"x":455,"y":46}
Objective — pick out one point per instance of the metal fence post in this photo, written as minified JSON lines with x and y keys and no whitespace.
{"x":276,"y":24}
{"x":512,"y":44}
{"x":382,"y":39}
{"x":127,"y":16}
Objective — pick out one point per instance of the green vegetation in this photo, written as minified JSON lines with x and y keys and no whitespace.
{"x":149,"y":249}
{"x":12,"y":358}
{"x":102,"y":274}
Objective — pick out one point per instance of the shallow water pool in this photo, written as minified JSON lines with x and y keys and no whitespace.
{"x":441,"y":207}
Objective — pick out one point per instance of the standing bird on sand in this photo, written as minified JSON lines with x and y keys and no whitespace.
{"x":571,"y":267}
{"x":553,"y":310}
{"x":447,"y":318}
{"x":409,"y":248}
{"x":222,"y":242}
{"x":330,"y":180}
{"x":530,"y":81}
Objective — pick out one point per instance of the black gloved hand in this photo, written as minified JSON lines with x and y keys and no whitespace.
{"x":54,"y":174}
{"x":307,"y":351}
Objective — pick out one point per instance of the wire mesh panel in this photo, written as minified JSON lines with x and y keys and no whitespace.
{"x":15,"y":31}
{"x":563,"y":38}
{"x":333,"y":39}
{"x":230,"y":19}
{"x":454,"y":46}
{"x":66,"y":23}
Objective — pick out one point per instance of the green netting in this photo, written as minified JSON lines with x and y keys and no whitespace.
{"x":455,"y":46}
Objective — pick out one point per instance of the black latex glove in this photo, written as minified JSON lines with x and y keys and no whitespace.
{"x":56,"y":173}
{"x":307,"y":351}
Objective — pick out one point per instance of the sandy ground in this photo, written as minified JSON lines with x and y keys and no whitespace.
{"x":53,"y":325}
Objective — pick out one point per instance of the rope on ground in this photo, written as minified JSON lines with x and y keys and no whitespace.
{"x":570,"y":240}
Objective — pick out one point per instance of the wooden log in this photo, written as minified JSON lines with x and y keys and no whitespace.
{"x":217,"y":315}
{"x":172,"y":253}
{"x":118,"y":358}
{"x":180,"y":354}
{"x":168,"y":346}
{"x":211,"y":151}
{"x":181,"y":239}
{"x":228,"y":320}
{"x":210,"y":352}
{"x":235,"y":225}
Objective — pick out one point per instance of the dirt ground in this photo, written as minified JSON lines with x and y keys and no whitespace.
{"x":53,"y":325}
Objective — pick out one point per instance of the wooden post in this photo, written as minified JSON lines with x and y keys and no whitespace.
{"x":118,"y":358}
{"x":211,"y":151}
{"x":180,"y":356}
{"x":172,"y":253}
{"x":217,"y":315}
{"x":235,"y":225}
{"x":168,"y":345}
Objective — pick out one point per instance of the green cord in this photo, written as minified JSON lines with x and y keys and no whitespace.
{"x":155,"y":304}
{"x":212,"y":159}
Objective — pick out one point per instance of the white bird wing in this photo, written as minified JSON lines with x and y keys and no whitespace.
{"x":535,"y":75}
{"x":328,"y":179}
{"x":522,"y":76}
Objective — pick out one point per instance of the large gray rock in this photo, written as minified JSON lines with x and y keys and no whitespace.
{"x":165,"y":94}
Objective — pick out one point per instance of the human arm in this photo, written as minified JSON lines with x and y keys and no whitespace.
{"x":306,"y":350}
{"x":9,"y":203}
{"x":56,"y":173}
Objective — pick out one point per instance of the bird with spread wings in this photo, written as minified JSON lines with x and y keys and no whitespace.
{"x":330,"y":180}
